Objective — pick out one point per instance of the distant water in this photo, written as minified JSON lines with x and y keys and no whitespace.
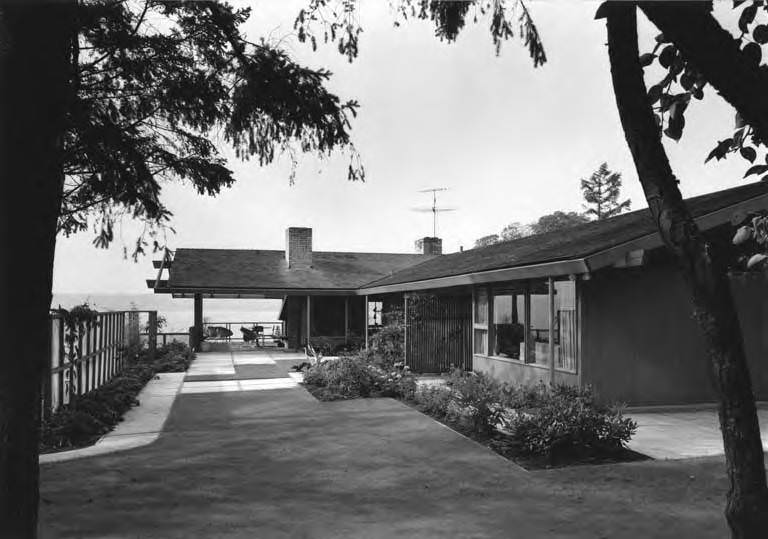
{"x":177,"y":312}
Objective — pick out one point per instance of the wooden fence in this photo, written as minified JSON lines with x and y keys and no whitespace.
{"x":438,"y":335}
{"x":81,"y":361}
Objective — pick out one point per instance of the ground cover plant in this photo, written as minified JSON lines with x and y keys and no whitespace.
{"x":88,"y":417}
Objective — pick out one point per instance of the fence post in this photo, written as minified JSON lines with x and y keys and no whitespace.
{"x":152,"y":334}
{"x":47,"y":386}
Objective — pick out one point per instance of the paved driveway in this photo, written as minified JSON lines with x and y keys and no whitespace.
{"x":276,"y":463}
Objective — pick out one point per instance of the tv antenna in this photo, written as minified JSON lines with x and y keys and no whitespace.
{"x":434,"y":208}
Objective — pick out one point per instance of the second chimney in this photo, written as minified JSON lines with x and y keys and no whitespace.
{"x":430,"y":246}
{"x":298,"y":247}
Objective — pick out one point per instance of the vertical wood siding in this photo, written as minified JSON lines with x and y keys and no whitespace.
{"x":439,"y":336}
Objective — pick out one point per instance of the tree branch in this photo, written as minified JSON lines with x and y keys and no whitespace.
{"x":716,"y":54}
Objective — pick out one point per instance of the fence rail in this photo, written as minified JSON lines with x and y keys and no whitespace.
{"x":85,"y":357}
{"x":272,"y":331}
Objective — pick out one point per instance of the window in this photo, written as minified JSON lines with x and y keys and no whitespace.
{"x":566,"y":328}
{"x":509,"y":324}
{"x":375,"y":313}
{"x":481,"y":321}
{"x":538,"y":333}
{"x":514,"y":323}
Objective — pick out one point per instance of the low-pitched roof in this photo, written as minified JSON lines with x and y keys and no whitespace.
{"x":249,"y":269}
{"x":572,"y":244}
{"x":578,"y":249}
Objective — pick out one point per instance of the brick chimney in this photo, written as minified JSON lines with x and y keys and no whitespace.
{"x":298,"y":247}
{"x":429,"y":246}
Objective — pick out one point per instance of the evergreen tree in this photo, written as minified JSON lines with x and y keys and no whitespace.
{"x":601,"y":191}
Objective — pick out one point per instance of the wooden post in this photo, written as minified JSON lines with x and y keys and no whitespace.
{"x":198,"y":322}
{"x":405,"y":329}
{"x":100,"y":347}
{"x":346,"y":320}
{"x":152,"y":344}
{"x":309,"y":318}
{"x":365,"y":323}
{"x":551,"y":292}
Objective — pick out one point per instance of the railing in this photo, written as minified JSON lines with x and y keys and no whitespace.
{"x":272,"y":333}
{"x":82,"y":359}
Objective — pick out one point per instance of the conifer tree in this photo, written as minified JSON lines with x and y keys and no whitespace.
{"x":601,"y":192}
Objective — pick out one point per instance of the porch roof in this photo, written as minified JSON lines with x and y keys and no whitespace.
{"x":252,"y":272}
{"x":576,"y":250}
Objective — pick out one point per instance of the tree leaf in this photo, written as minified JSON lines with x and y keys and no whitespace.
{"x":654,"y":93}
{"x":747,"y":16}
{"x":676,"y":121}
{"x":743,"y":234}
{"x":647,"y":59}
{"x":722,"y":148}
{"x":760,"y":33}
{"x":757,"y":169}
{"x":667,"y":55}
{"x":756,"y":259}
{"x":748,"y":153}
{"x":686,"y":81}
{"x":739,"y":121}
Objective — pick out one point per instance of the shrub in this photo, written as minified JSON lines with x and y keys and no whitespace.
{"x":88,"y":417}
{"x":399,"y":382}
{"x":478,"y":398}
{"x":568,"y":420}
{"x":434,"y":400}
{"x":346,"y":377}
{"x":350,"y":377}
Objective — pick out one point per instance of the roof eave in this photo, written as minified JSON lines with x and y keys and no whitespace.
{"x":601,"y":259}
{"x":549,"y":269}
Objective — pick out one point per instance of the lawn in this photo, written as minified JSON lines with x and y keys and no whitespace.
{"x":279,"y":464}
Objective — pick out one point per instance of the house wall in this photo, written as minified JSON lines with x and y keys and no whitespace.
{"x":641,"y":345}
{"x":438,"y":336}
{"x":518,"y":373}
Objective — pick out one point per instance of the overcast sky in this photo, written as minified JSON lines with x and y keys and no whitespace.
{"x":510,"y":142}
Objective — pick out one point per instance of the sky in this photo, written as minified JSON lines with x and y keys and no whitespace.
{"x":509,"y":142}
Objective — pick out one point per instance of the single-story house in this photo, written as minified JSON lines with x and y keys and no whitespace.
{"x":600,"y":303}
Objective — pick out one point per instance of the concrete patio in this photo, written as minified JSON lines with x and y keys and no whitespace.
{"x":683,"y":432}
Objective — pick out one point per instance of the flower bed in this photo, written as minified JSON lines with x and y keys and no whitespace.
{"x":88,"y":417}
{"x":536,"y":426}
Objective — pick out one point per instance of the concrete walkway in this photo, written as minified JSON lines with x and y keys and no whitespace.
{"x":684,"y":432}
{"x":141,"y":425}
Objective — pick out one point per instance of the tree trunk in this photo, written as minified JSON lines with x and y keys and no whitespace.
{"x":34,"y":69}
{"x":706,"y":275}
{"x":717,"y":55}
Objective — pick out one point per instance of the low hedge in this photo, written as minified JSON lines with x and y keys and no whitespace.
{"x":88,"y":417}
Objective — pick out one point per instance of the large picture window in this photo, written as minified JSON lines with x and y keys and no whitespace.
{"x":509,"y":324}
{"x":514,"y":323}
